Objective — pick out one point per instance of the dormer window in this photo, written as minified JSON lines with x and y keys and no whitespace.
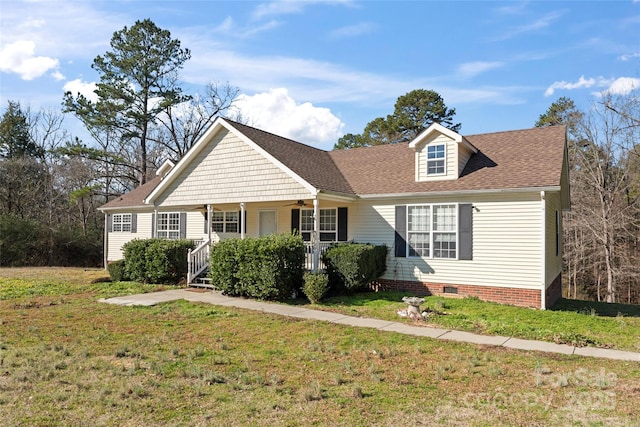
{"x":436,"y":159}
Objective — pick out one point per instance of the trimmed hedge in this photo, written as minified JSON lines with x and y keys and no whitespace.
{"x":267,"y":267}
{"x":157,"y":260}
{"x":116,"y":271}
{"x":351,"y":266}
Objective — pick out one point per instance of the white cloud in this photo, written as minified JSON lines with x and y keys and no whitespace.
{"x":471,"y":69}
{"x":619,"y":86}
{"x":622,"y":86}
{"x":288,"y":7}
{"x":581,"y":83}
{"x":78,"y":86}
{"x":276,"y":112}
{"x":19,"y":57}
{"x":352,"y":30}
{"x":630,"y":56}
{"x":538,"y":24}
{"x":58,"y":75}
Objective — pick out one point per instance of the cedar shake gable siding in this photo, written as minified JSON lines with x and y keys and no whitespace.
{"x":505,"y":160}
{"x":313,"y":165}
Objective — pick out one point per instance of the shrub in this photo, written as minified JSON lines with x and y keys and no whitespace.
{"x":267,"y":267}
{"x":351,"y":266}
{"x":116,"y":270}
{"x":157,"y":260}
{"x":315,"y":286}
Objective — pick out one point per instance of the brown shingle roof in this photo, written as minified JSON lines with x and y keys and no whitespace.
{"x":313,"y":165}
{"x":135,"y":197}
{"x":505,"y":160}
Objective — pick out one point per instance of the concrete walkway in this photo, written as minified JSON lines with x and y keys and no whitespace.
{"x":214,"y":297}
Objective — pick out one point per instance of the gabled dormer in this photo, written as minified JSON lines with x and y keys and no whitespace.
{"x":440,"y":153}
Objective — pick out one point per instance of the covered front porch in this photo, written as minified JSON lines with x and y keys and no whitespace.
{"x":320,"y":222}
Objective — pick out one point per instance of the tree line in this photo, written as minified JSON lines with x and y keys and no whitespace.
{"x":51,"y":183}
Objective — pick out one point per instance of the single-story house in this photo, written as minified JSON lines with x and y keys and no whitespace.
{"x":477,"y":215}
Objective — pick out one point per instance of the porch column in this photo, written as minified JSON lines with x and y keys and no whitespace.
{"x":154,"y":226}
{"x":316,"y":236}
{"x":209,"y":210}
{"x":106,"y":240}
{"x":242,"y":220}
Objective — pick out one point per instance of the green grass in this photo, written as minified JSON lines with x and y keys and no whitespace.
{"x":66,"y":359}
{"x":579,"y":323}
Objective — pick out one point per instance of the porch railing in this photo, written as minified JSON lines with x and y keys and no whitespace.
{"x":308,"y":255}
{"x":197,"y":260}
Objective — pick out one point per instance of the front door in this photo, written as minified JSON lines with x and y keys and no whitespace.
{"x":267,"y":222}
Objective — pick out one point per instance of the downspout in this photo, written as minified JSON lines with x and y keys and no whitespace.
{"x":543,"y":252}
{"x":106,"y":240}
{"x":242,"y":220}
{"x":316,"y":235}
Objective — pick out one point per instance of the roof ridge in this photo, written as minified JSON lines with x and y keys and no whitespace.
{"x":233,"y":122}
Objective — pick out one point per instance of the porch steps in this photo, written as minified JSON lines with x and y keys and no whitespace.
{"x":202,"y":282}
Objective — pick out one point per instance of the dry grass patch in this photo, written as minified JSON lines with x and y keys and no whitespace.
{"x":86,"y":363}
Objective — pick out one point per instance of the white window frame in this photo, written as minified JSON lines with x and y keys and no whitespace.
{"x":228,"y":223}
{"x":431,"y":230}
{"x":327,"y":223}
{"x":121,"y":223}
{"x":168,"y":225}
{"x":431,"y":160}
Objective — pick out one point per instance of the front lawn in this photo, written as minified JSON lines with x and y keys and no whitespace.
{"x":67,"y":359}
{"x":579,"y":323}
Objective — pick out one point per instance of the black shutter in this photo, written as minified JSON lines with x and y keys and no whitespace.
{"x":295,"y":221}
{"x":342,"y":224}
{"x":401,"y":231}
{"x":206,"y":222}
{"x":134,"y":222}
{"x":109,"y":223}
{"x":183,"y":225}
{"x":465,"y":232}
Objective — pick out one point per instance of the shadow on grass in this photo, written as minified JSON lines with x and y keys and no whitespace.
{"x":597,"y":308}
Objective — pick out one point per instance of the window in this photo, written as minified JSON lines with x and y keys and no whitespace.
{"x":432,"y":231}
{"x":121,"y":223}
{"x":169,"y":225}
{"x":436,"y":159}
{"x":327,"y":224}
{"x":225,"y":221}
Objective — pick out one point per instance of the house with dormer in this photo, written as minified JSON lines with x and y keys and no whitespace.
{"x":475,"y":215}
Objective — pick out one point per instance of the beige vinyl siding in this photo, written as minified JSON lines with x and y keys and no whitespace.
{"x":451,"y":155}
{"x":506,"y":242}
{"x":553,"y":261}
{"x":230,"y":170}
{"x":117,"y":239}
{"x":463,"y":157}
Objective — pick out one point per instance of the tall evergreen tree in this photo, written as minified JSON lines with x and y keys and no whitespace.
{"x":138,"y":81}
{"x":413,"y":112}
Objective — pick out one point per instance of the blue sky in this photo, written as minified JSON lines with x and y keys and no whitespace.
{"x":315,"y":70}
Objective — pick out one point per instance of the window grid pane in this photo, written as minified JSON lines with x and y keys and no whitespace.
{"x":419,"y":244}
{"x":418,"y":218}
{"x":435,"y":159}
{"x":328,"y":220}
{"x":169,"y":225}
{"x":444,"y":245}
{"x":444,"y":218}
